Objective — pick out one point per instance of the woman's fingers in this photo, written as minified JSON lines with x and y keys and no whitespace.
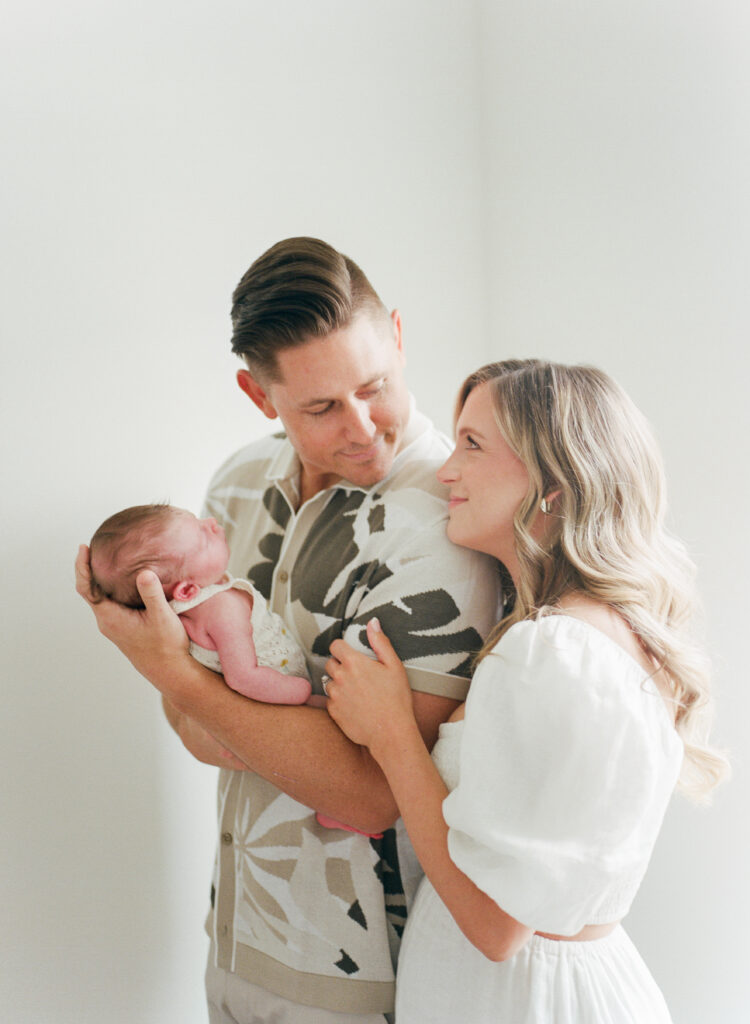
{"x":380,"y":644}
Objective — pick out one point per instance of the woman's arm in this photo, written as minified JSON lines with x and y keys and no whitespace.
{"x":371,"y":702}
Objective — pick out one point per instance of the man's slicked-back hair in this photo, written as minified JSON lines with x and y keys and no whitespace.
{"x":298,"y":290}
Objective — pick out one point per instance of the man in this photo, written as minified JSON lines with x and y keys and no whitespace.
{"x":335,"y":520}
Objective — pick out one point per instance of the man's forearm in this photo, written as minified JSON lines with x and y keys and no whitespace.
{"x":197,"y":741}
{"x":171,"y":714}
{"x":297,"y":748}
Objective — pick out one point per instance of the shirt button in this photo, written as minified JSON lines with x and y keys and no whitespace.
{"x":283,"y":576}
{"x":226,"y":838}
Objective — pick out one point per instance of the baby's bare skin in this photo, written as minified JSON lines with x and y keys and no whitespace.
{"x":222,"y":623}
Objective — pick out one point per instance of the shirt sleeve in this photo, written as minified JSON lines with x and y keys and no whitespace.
{"x":567,"y":764}
{"x":436,"y":602}
{"x":349,"y":554}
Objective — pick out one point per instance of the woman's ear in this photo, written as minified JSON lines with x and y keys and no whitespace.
{"x":185,"y":591}
{"x":546,"y":503}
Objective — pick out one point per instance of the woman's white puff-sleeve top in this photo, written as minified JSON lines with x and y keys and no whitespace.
{"x":568,"y":759}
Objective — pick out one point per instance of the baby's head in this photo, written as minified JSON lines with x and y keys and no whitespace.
{"x":185,"y":553}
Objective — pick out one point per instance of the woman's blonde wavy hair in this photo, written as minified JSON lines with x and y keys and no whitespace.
{"x":579,"y":434}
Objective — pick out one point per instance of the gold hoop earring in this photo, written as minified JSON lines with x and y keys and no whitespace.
{"x":545,"y":506}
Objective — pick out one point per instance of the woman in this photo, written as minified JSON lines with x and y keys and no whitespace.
{"x":536,"y":816}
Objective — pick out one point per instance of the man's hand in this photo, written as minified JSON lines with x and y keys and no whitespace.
{"x":151,"y":638}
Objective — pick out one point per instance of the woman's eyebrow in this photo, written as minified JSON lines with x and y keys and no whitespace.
{"x":463,"y":431}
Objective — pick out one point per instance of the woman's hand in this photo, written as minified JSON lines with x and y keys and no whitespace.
{"x":151,"y":637}
{"x":368,"y":699}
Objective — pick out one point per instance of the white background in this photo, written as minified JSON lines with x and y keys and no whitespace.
{"x":520,"y":178}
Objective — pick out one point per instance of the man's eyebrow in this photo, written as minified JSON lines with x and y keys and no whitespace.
{"x":315,"y":401}
{"x":326,"y":401}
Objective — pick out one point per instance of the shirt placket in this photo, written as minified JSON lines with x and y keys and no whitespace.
{"x":229,"y":848}
{"x":294,"y":537}
{"x":226,"y":897}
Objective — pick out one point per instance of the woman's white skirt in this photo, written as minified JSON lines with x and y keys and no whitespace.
{"x":443,"y":979}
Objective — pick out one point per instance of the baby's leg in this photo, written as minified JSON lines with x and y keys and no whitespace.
{"x":327,"y":822}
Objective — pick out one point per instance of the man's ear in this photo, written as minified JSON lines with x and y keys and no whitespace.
{"x":396,"y":321}
{"x":185,"y":591}
{"x":256,"y":393}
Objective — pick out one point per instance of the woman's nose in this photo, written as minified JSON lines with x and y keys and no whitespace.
{"x":448,"y":471}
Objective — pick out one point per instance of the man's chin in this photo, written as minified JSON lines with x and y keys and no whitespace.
{"x":367,"y":472}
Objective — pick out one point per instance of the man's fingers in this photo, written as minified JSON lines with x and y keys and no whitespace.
{"x":83,"y":575}
{"x":150,"y":588}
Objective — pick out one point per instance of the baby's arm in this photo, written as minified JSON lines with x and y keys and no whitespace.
{"x":223,"y":623}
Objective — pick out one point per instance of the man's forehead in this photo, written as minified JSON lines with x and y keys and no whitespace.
{"x":343,"y":360}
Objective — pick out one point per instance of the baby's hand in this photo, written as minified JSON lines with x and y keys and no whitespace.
{"x":366,"y":697}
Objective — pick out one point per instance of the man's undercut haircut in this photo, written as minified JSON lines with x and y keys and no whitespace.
{"x":129,"y":542}
{"x":298,"y":290}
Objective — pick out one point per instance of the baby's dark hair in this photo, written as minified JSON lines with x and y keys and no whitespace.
{"x":132,"y":538}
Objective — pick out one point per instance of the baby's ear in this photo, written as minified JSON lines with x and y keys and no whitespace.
{"x":185,"y":591}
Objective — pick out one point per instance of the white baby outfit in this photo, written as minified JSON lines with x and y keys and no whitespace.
{"x":560,"y":775}
{"x":274,"y":644}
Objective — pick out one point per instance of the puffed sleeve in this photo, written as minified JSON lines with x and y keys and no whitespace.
{"x":568,"y":759}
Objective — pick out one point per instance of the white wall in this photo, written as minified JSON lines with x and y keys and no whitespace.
{"x":618,"y":156}
{"x":153,"y":150}
{"x":536,"y":178}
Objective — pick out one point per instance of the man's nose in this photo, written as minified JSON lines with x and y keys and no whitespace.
{"x":359,"y":425}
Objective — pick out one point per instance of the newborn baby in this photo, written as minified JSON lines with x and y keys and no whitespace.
{"x":228,"y":622}
{"x":230,"y":626}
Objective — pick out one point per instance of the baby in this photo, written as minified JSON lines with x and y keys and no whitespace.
{"x":230,"y":626}
{"x":227,"y":620}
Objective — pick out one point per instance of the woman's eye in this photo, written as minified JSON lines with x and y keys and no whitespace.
{"x":471,"y":443}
